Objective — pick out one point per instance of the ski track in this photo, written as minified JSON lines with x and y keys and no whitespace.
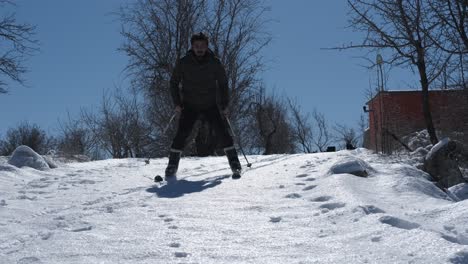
{"x":285,"y":209}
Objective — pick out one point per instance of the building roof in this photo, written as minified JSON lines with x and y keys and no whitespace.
{"x":416,"y":91}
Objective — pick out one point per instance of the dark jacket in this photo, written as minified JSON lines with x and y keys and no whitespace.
{"x":204,"y":82}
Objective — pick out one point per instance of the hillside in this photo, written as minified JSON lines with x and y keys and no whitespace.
{"x":285,"y":209}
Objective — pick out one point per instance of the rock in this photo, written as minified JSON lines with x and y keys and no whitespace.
{"x":352,"y":165}
{"x":24,"y":156}
{"x":441,"y":163}
{"x":460,"y":191}
{"x":50,"y":161}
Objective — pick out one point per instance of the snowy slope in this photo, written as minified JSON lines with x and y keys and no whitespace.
{"x":286,"y":209}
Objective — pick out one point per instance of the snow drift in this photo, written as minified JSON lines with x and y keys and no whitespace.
{"x":24,"y":156}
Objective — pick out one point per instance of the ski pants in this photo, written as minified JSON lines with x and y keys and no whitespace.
{"x":187,"y":119}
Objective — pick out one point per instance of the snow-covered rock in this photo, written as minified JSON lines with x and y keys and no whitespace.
{"x":460,"y":190}
{"x":24,"y":156}
{"x":351,"y":165}
{"x":50,"y":161}
{"x":441,"y":163}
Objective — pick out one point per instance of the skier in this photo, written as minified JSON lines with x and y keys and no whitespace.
{"x":204,"y":92}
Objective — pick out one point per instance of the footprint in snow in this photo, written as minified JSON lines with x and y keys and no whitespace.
{"x":370,"y":209}
{"x":321,"y":199}
{"x":86,"y":182}
{"x":181,"y":255}
{"x":174,"y":245}
{"x":310,"y":187}
{"x":167,"y":220}
{"x":310,"y":179}
{"x":300,"y":183}
{"x":398,"y":223}
{"x":302,"y":175}
{"x":173,"y":227}
{"x":29,"y":260}
{"x":86,"y":228}
{"x":45,"y":235}
{"x":293,"y":196}
{"x":275,"y":219}
{"x":332,"y":206}
{"x":460,"y":258}
{"x":456,"y":239}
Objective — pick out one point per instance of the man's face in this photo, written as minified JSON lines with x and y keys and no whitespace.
{"x":200,"y":47}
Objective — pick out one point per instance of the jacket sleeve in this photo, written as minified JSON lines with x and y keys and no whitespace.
{"x":223,"y":85}
{"x":176,"y":77}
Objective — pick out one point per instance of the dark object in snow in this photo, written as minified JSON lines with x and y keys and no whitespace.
{"x":350,"y":146}
{"x":236,"y":175}
{"x":441,"y":163}
{"x":158,"y":178}
{"x":331,"y":149}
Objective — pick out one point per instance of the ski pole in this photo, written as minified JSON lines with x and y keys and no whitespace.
{"x":147,"y":161}
{"x":230,"y":127}
{"x":170,"y":121}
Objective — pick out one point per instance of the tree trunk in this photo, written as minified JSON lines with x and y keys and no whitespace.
{"x":425,"y":98}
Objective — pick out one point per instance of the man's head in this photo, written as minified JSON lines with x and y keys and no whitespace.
{"x":199,"y":44}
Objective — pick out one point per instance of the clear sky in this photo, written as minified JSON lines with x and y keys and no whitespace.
{"x":79,"y":59}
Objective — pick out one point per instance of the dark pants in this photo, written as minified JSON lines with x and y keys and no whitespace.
{"x":191,"y":114}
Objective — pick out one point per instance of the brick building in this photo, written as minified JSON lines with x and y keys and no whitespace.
{"x":395,"y":114}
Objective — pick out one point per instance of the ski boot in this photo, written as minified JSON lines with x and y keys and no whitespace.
{"x":234,"y":163}
{"x":173,"y":165}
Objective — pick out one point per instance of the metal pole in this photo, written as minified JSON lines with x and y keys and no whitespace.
{"x":147,"y":161}
{"x":232,"y":132}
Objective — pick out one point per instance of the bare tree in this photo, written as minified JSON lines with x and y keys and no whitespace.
{"x":74,"y":139}
{"x":347,"y":135}
{"x":17,"y":44}
{"x":451,"y":36}
{"x":27,"y":134}
{"x":119,"y":128}
{"x":270,"y":126}
{"x":238,"y":32}
{"x":401,"y":29}
{"x":301,"y":127}
{"x":322,"y":135}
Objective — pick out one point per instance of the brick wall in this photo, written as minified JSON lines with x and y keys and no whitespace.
{"x":400,"y":113}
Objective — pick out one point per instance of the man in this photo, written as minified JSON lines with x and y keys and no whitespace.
{"x":204,"y":89}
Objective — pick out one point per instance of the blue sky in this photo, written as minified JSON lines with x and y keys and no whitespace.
{"x":79,"y":59}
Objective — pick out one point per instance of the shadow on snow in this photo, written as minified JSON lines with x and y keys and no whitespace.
{"x":181,"y":187}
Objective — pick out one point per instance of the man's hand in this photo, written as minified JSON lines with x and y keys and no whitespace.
{"x":178,"y":108}
{"x":225,"y":112}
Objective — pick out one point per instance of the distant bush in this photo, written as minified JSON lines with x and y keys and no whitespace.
{"x":27,"y":134}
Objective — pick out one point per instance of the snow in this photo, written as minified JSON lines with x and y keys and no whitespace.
{"x":285,"y":209}
{"x":460,"y":190}
{"x":25,"y":156}
{"x":442,"y":143}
